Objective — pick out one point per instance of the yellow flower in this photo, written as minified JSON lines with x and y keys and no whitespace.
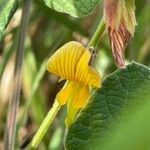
{"x":71,"y":62}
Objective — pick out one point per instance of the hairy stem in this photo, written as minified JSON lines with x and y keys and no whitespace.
{"x":97,"y":35}
{"x":10,"y":133}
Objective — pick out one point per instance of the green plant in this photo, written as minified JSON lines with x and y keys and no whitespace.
{"x":107,"y":106}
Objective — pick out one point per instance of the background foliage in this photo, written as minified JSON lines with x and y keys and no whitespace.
{"x":47,"y":31}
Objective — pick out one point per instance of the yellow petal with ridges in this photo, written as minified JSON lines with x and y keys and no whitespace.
{"x":64,"y":61}
{"x":86,"y":74}
{"x":94,"y":78}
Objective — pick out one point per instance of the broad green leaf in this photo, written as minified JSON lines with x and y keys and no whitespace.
{"x":121,"y":93}
{"x":76,"y":8}
{"x":71,"y":24}
{"x":7,"y":9}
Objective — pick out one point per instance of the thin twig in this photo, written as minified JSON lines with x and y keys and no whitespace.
{"x":10,"y":133}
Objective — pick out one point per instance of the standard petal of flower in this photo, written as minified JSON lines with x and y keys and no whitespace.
{"x":65,"y":92}
{"x":94,"y":79}
{"x":86,"y":74}
{"x":64,"y":61}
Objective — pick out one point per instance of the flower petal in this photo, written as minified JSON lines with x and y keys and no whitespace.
{"x":64,"y":61}
{"x":86,"y":74}
{"x":78,"y":100}
{"x":80,"y":97}
{"x":65,"y":92}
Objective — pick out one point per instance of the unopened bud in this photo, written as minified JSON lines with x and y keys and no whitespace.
{"x":120,"y":23}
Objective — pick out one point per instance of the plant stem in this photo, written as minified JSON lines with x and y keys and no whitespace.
{"x":10,"y":134}
{"x":44,"y":126}
{"x":97,"y":35}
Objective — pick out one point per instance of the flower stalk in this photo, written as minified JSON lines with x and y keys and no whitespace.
{"x":44,"y":126}
{"x":98,"y":34}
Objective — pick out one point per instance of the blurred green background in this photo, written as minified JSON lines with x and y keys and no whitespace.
{"x":47,"y":31}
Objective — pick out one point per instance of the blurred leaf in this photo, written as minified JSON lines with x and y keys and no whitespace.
{"x":31,"y":88}
{"x":7,"y":53}
{"x":9,"y":50}
{"x":70,"y":23}
{"x":121,"y":92}
{"x":7,"y":9}
{"x":56,"y":139}
{"x":34,"y":100}
{"x":76,"y":8}
{"x":132,"y":133}
{"x":142,"y":32}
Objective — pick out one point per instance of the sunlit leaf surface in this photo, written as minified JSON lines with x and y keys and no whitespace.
{"x":76,"y":8}
{"x":7,"y":9}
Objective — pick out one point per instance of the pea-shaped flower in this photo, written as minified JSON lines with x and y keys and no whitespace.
{"x":72,"y":62}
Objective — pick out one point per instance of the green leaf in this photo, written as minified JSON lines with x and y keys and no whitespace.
{"x":120,"y":94}
{"x":71,"y":24}
{"x":76,"y":8}
{"x":132,"y":133}
{"x":7,"y":9}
